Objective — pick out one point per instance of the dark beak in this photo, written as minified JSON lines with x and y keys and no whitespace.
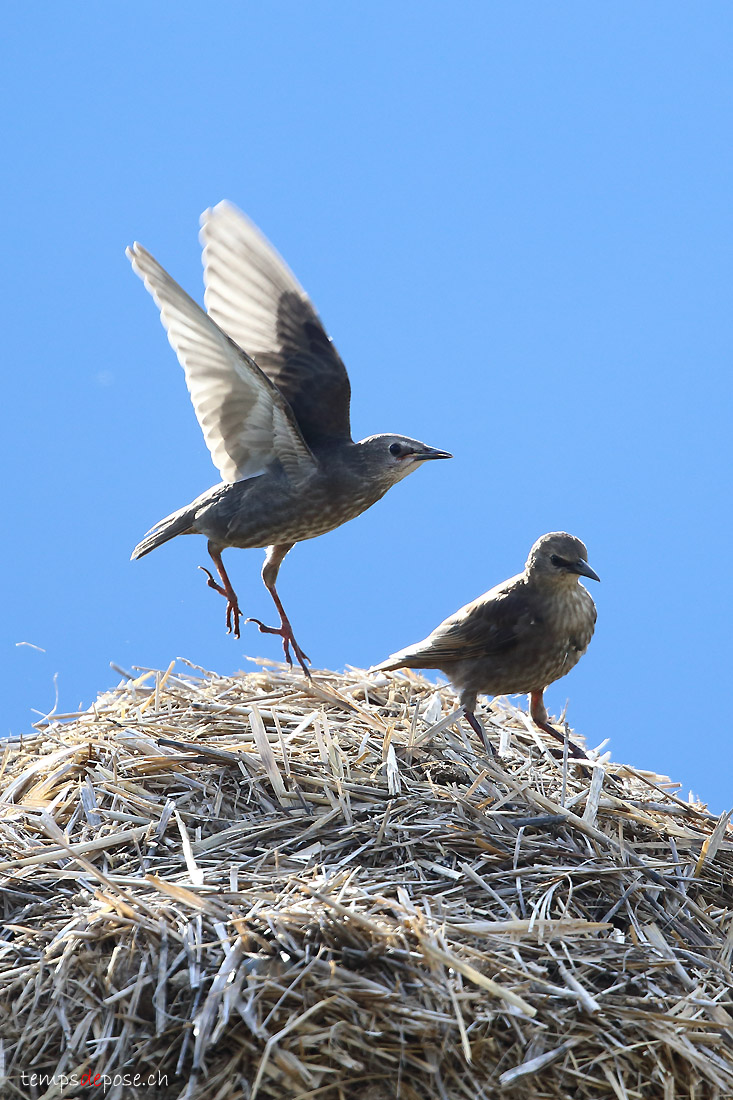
{"x":429,"y":452}
{"x":582,"y":568}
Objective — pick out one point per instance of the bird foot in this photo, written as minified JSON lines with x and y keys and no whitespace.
{"x":285,"y":631}
{"x":479,"y":729}
{"x":233,"y":610}
{"x":573,"y":749}
{"x":538,"y":714}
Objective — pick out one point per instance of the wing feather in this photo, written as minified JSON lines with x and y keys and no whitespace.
{"x":247,"y":423}
{"x":254,"y":297}
{"x":490,"y":626}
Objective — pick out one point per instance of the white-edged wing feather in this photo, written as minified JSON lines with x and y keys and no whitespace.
{"x":254,"y":297}
{"x":244,"y":277}
{"x":247,"y":424}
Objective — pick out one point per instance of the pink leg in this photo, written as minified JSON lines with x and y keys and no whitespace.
{"x":538,"y":714}
{"x":224,"y":589}
{"x":273,"y":561}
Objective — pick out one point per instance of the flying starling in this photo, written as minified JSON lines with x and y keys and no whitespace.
{"x":272,"y":397}
{"x":519,"y":636}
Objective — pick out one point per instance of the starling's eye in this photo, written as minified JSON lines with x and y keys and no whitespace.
{"x":557,"y":562}
{"x":395,"y":449}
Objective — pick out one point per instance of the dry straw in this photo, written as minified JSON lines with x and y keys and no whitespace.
{"x":255,"y":887}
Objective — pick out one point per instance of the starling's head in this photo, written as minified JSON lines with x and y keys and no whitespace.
{"x":559,"y":556}
{"x":392,"y":457}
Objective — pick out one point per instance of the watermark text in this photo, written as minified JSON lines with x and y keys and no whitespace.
{"x":90,"y":1079}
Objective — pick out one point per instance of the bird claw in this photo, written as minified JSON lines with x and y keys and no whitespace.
{"x":574,"y":750}
{"x":233,"y":611}
{"x":478,"y":728}
{"x":211,"y":582}
{"x":286,"y":633}
{"x":285,"y":630}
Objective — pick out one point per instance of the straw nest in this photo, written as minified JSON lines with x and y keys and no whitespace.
{"x":259,"y":887}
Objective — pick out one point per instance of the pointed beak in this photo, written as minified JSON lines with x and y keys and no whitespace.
{"x":582,"y":568}
{"x":429,"y":452}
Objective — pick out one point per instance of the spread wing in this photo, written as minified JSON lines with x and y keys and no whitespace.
{"x":489,"y":627}
{"x":255,"y":298}
{"x":247,"y":424}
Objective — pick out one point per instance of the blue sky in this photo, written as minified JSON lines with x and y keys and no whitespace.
{"x":515,"y":221}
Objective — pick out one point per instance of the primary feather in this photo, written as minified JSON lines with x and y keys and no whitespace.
{"x":254,"y":297}
{"x":246,"y":421}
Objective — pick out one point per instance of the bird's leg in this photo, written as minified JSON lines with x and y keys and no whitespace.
{"x":273,"y":561}
{"x":479,"y":729}
{"x":538,"y":714}
{"x":224,"y":589}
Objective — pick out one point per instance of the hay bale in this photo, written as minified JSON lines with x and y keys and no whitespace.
{"x":255,"y":887}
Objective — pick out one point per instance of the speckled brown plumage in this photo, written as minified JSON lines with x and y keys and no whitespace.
{"x":519,"y":636}
{"x":272,"y":397}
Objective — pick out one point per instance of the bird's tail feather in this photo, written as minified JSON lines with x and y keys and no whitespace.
{"x":178,"y":523}
{"x":385,"y":666}
{"x":405,"y":658}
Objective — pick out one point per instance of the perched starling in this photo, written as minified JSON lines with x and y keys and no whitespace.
{"x":272,"y":397}
{"x":519,"y":636}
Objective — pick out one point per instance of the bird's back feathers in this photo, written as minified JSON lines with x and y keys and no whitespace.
{"x":490,"y":625}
